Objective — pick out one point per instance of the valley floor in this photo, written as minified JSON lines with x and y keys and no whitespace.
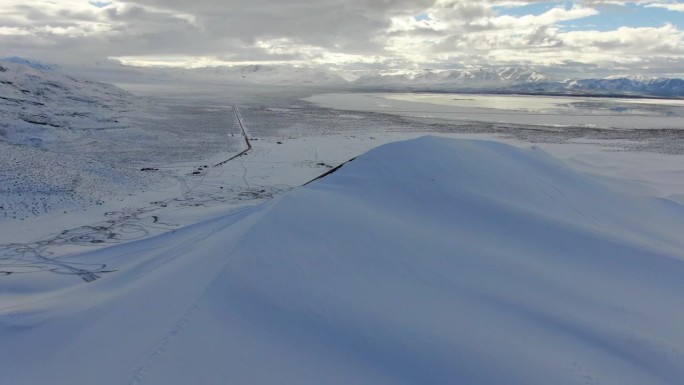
{"x":157,"y":262}
{"x":185,"y":180}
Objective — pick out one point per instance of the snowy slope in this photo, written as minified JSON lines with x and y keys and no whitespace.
{"x":429,"y":261}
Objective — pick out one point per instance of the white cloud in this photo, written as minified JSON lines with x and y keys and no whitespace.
{"x":679,"y":7}
{"x":14,"y":31}
{"x":332,"y":32}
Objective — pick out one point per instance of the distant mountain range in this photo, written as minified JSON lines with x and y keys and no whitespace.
{"x":270,"y":74}
{"x":478,"y":78}
{"x":484,"y":79}
{"x":517,"y":80}
{"x":500,"y":80}
{"x":662,"y":87}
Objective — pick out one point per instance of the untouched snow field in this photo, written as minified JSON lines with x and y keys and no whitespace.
{"x":429,"y":261}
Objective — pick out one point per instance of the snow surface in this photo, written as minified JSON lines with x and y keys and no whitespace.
{"x":429,"y":261}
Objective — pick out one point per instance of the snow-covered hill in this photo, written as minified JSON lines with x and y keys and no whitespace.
{"x":52,"y":126}
{"x":40,"y":103}
{"x":430,"y":261}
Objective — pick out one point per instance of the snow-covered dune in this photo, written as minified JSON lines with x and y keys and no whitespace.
{"x":430,"y":261}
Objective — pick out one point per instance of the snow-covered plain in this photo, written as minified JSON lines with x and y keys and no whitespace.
{"x":562,"y":111}
{"x":556,"y":259}
{"x":428,"y":261}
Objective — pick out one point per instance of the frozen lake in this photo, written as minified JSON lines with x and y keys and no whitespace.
{"x":518,"y":109}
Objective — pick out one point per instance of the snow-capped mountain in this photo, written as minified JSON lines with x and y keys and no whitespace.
{"x":513,"y":80}
{"x":626,"y":86}
{"x":475,"y":78}
{"x":30,"y":63}
{"x":657,"y":86}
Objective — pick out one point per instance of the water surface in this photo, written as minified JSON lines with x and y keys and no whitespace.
{"x":519,"y":109}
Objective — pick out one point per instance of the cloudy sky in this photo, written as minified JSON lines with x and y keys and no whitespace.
{"x":643,"y":36}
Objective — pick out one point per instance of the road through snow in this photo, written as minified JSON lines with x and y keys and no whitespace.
{"x":244,"y":134}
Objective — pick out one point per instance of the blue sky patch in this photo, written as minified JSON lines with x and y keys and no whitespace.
{"x":100,"y":4}
{"x":422,"y":16}
{"x":611,"y":17}
{"x":529,"y":9}
{"x":615,"y":16}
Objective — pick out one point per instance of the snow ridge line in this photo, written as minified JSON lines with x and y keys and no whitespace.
{"x":244,"y":135}
{"x":329,"y":172}
{"x":139,"y":374}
